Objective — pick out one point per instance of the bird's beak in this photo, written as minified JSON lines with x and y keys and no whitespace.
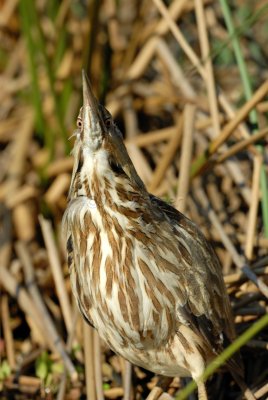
{"x":92,"y":130}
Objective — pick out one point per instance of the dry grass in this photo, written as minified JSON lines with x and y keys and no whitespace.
{"x":169,"y":77}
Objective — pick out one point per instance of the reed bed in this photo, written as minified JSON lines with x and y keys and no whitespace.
{"x":187,"y":83}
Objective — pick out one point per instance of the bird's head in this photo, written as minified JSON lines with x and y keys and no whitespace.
{"x":99,"y":141}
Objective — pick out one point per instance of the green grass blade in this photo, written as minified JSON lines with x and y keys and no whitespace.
{"x":26,"y":28}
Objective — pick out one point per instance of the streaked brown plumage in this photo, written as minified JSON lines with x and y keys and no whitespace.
{"x":142,"y":273}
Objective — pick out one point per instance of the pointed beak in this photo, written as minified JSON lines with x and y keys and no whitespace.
{"x":92,"y":123}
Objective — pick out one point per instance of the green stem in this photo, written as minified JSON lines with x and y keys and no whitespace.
{"x":26,"y":26}
{"x":48,"y":66}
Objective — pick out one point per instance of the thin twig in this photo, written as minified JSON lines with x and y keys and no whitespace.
{"x":236,"y":148}
{"x":97,"y":364}
{"x":167,"y":157}
{"x":237,"y":259}
{"x":253,"y":210}
{"x":41,"y":308}
{"x":88,"y":334}
{"x":186,"y":156}
{"x":8,"y":337}
{"x":127,"y":381}
{"x":205,"y":51}
{"x":180,"y":38}
{"x":57,"y":271}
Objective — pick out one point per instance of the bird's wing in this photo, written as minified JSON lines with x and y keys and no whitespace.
{"x":206,"y":308}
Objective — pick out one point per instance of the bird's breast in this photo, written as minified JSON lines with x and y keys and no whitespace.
{"x":113,"y":277}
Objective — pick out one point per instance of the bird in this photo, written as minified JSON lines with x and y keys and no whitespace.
{"x":143,"y":274}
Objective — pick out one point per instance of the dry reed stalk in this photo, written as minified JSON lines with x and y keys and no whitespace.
{"x":188,"y":91}
{"x":155,"y":393}
{"x":243,"y":144}
{"x":177,"y":76}
{"x":248,"y":298}
{"x":175,"y":10}
{"x":141,"y":164}
{"x":7,"y":10}
{"x":11,"y":285}
{"x":162,"y":189}
{"x":205,"y":52}
{"x":142,"y":60}
{"x":260,"y":241}
{"x":180,"y":38}
{"x":237,"y":259}
{"x":215,"y":198}
{"x":25,"y":380}
{"x":59,"y":186}
{"x":152,"y":137}
{"x":230,"y":113}
{"x":56,"y":270}
{"x":262,"y":107}
{"x":15,"y":58}
{"x":253,"y":210}
{"x":262,"y":391}
{"x":165,"y":396}
{"x":205,"y":122}
{"x":239,"y":117}
{"x":26,"y":304}
{"x":41,"y":308}
{"x":97,"y":365}
{"x":114,"y":393}
{"x":23,"y":194}
{"x":117,"y":40}
{"x":167,"y":157}
{"x":131,"y":128}
{"x":60,"y":166}
{"x":65,"y":67}
{"x":11,"y":123}
{"x":234,"y":170}
{"x":114,"y":100}
{"x":88,"y":334}
{"x":70,"y":340}
{"x":23,"y":222}
{"x":127,"y":386}
{"x":259,"y":344}
{"x":240,"y":277}
{"x":186,"y":157}
{"x":20,"y":147}
{"x":7,"y":333}
{"x":11,"y":86}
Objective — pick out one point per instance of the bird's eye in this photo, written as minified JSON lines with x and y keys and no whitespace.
{"x":108,"y":122}
{"x":79,"y":123}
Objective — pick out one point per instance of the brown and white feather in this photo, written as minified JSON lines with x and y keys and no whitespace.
{"x":142,"y":273}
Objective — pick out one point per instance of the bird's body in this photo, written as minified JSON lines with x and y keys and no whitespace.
{"x":142,"y":273}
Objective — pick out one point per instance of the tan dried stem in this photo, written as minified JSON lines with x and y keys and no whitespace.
{"x":186,"y":157}
{"x":253,"y":210}
{"x":88,"y":334}
{"x":167,"y":157}
{"x":205,"y":51}
{"x":56,"y":270}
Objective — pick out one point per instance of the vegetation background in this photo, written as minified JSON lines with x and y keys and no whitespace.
{"x":187,"y":82}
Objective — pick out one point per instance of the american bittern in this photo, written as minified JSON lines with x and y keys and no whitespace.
{"x":142,"y":273}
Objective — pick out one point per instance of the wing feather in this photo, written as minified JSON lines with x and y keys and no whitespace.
{"x":207,"y":307}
